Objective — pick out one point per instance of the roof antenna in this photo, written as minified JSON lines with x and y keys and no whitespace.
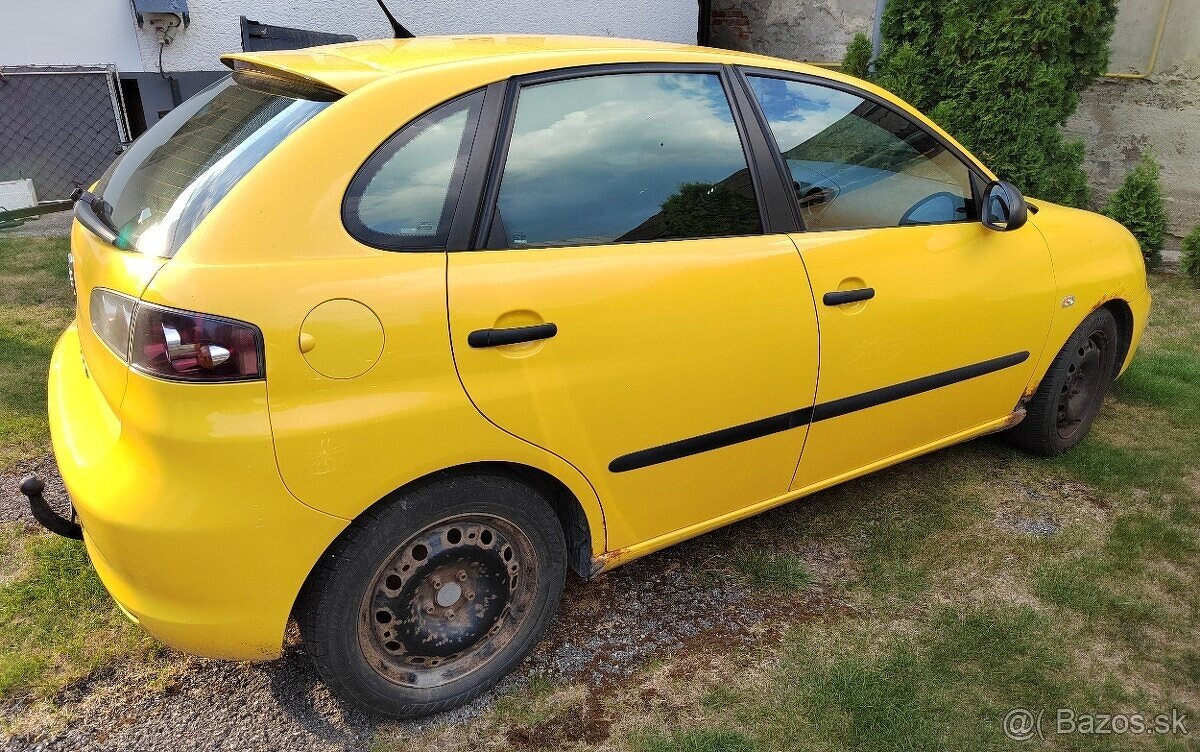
{"x":397,"y":27}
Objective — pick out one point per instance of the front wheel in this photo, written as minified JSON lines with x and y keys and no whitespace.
{"x":1069,"y":397}
{"x":428,"y":599}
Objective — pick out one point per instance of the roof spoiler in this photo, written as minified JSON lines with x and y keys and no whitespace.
{"x":397,"y":28}
{"x":280,"y":81}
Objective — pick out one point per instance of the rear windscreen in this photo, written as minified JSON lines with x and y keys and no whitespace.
{"x":173,"y":175}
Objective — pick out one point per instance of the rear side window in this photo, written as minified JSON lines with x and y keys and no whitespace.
{"x":172,"y":176}
{"x":858,"y":164}
{"x":405,"y":194}
{"x":621,"y":158}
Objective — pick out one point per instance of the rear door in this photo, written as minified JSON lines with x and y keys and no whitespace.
{"x":629,"y":312}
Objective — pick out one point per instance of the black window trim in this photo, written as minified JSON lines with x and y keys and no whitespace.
{"x":774,"y":215}
{"x":468,"y":213}
{"x":455,"y":190}
{"x":977,"y":177}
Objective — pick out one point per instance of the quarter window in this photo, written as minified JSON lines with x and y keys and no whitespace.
{"x":621,"y":158}
{"x":405,"y":195}
{"x":856,"y":164}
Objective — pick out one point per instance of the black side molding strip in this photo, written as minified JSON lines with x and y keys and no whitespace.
{"x":796,"y":418}
{"x":827,"y":410}
{"x":709,"y":441}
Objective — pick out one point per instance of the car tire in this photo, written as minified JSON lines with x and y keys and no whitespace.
{"x":431,"y":596}
{"x":1062,"y":409}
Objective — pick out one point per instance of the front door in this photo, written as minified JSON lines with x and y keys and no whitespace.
{"x":931,"y":324}
{"x":630,"y":314}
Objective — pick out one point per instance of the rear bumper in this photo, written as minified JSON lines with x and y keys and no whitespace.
{"x":183,"y":511}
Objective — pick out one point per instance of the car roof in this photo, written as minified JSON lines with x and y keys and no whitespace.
{"x":350,"y":65}
{"x":338,"y":69}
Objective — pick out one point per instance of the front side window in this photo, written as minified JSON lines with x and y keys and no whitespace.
{"x":623,"y":158}
{"x":857,"y":164}
{"x":405,"y":194}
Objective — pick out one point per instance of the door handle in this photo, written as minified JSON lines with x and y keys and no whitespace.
{"x":511,"y":336}
{"x":842,"y":297}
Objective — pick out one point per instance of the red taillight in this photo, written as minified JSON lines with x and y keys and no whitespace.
{"x":174,"y":344}
{"x":193,"y":346}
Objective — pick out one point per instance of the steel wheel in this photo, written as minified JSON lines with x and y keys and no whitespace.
{"x":1083,"y":389}
{"x":1062,"y":408}
{"x":447,"y":600}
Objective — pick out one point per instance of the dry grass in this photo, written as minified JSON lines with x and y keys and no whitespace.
{"x":956,"y":587}
{"x":908,"y":610}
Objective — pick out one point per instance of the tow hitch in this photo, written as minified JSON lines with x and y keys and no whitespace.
{"x":32,"y":486}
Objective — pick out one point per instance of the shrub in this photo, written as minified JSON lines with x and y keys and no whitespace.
{"x":1189,"y":263}
{"x":1138,"y":204}
{"x":1003,"y":78}
{"x":857,"y":61}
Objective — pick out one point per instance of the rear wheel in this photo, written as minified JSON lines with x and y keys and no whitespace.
{"x":426,"y":601}
{"x":1069,"y":397}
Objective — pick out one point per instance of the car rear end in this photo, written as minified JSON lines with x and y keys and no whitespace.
{"x":158,"y":411}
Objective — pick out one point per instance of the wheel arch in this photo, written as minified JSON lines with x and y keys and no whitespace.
{"x":563,"y":502}
{"x":1126,"y":328}
{"x":1123,"y":313}
{"x":566,"y":505}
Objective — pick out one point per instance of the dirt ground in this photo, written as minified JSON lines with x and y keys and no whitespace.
{"x":679,"y":601}
{"x":1088,"y":565}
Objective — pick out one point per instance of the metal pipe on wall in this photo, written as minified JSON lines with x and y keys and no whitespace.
{"x":1158,"y":36}
{"x":876,"y":37}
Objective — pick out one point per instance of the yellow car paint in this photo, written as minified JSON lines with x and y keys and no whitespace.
{"x":205,"y":506}
{"x":939,"y":288}
{"x":341,"y":339}
{"x":1097,"y":263}
{"x":614,"y":366}
{"x":185,"y":519}
{"x":96,"y":265}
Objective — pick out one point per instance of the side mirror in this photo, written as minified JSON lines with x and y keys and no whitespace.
{"x":1004,"y":207}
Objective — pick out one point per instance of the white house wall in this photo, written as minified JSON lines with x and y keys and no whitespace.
{"x":68,"y":32}
{"x":90,"y":32}
{"x":214,"y":29}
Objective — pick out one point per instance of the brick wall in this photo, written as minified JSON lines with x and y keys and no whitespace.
{"x":730,"y":26}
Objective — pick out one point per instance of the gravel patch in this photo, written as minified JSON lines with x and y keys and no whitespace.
{"x":670,"y":603}
{"x":1043,"y":525}
{"x":57,"y":224}
{"x":14,"y":507}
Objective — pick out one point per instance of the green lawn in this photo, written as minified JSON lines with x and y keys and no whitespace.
{"x":57,"y":623}
{"x":975,"y":580}
{"x":965,"y":619}
{"x":36,"y":304}
{"x":961,"y":618}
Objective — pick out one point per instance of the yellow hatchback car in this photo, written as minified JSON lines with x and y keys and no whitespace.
{"x":389,"y":335}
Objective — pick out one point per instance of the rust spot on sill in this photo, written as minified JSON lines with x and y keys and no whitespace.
{"x":1015,"y":417}
{"x":608,"y":560}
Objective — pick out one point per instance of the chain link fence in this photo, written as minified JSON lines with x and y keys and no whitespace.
{"x":61,"y":126}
